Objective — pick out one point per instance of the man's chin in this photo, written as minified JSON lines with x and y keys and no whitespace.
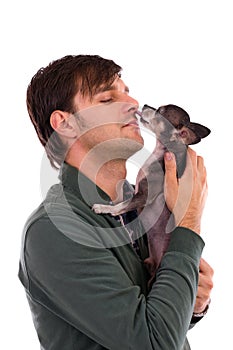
{"x":132,"y":146}
{"x":124,"y":148}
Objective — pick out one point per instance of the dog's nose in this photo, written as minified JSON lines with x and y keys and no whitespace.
{"x":148,"y":107}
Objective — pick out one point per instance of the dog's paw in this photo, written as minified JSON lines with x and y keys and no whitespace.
{"x":101,"y":208}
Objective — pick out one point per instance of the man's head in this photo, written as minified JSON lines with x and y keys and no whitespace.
{"x":56,"y":87}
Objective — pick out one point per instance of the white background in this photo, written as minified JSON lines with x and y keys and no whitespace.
{"x":171,"y":52}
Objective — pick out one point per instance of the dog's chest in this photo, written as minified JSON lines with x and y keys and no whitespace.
{"x":153,"y":166}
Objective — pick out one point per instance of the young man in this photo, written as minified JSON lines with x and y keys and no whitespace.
{"x":83,"y":273}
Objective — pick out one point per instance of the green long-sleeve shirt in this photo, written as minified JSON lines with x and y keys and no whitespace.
{"x":87,"y":286}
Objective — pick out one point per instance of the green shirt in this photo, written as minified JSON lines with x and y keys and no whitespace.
{"x":87,"y":286}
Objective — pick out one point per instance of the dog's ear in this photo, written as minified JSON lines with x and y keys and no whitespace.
{"x":187,"y":135}
{"x":193,"y":133}
{"x":199,"y":130}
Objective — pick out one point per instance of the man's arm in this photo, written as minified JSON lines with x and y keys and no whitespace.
{"x":88,"y":287}
{"x":186,"y":197}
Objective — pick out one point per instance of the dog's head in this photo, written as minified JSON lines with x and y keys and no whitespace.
{"x":171,"y":123}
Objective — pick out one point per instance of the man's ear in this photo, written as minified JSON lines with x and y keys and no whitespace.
{"x":64,"y":124}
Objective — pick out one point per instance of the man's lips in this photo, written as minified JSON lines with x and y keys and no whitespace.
{"x":133,"y":122}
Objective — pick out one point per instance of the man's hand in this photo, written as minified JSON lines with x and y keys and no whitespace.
{"x":205,"y":285}
{"x":186,"y":197}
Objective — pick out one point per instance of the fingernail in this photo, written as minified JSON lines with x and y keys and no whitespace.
{"x":168,"y":156}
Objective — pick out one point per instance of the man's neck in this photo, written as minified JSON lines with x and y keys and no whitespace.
{"x":106,"y":174}
{"x":110,"y":176}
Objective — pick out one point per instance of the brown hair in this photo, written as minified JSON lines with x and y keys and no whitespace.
{"x":54,"y":87}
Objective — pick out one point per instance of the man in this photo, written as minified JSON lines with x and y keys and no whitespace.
{"x":83,"y":273}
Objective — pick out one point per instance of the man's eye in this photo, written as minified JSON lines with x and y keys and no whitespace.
{"x":107,"y":100}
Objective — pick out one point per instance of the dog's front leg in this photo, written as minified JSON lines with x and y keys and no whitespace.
{"x":114,"y":210}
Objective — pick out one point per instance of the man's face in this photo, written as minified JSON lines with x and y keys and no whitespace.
{"x":109,"y":118}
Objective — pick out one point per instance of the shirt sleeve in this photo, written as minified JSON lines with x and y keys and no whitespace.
{"x":88,"y":287}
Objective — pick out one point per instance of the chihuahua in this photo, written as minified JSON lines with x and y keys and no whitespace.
{"x":174,"y":132}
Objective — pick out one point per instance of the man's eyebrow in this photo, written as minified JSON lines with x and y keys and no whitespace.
{"x":110,"y":88}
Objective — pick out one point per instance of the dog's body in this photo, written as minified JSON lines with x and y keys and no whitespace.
{"x":174,"y":132}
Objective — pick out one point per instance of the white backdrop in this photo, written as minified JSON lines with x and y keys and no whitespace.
{"x":171,"y":52}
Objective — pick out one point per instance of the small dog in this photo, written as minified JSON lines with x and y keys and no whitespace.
{"x":174,"y":132}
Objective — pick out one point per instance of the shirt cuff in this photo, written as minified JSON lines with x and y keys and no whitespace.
{"x":187,"y":242}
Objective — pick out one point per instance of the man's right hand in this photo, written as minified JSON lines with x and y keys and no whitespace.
{"x":186,"y":197}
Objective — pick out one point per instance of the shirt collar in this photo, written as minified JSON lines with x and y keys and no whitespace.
{"x":75,"y":181}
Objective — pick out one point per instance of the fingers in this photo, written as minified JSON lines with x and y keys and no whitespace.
{"x":170,"y":165}
{"x":205,"y":285}
{"x":205,"y":268}
{"x":196,"y":163}
{"x":170,"y":180}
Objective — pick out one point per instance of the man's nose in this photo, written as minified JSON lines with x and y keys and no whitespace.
{"x":130,"y":105}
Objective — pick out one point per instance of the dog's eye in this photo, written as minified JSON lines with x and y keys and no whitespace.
{"x":161,"y":110}
{"x":179,"y":126}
